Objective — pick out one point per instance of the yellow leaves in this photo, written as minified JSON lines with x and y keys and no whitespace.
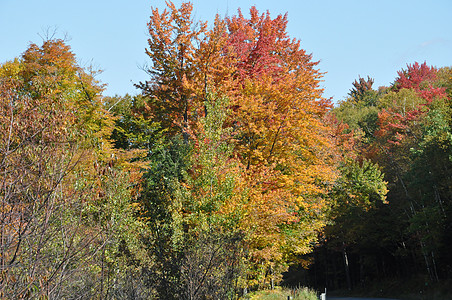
{"x":11,"y":69}
{"x":276,"y":115}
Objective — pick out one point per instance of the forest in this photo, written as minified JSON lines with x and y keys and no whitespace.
{"x":228,"y":172}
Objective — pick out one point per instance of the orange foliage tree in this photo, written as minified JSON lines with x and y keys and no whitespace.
{"x":281,"y":137}
{"x":276,"y":112}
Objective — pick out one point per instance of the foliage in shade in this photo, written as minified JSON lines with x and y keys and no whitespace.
{"x":406,"y":131}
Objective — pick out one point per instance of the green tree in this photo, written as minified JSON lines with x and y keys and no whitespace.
{"x":359,"y":189}
{"x":406,"y":132}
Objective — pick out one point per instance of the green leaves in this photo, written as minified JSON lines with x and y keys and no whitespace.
{"x":361,"y":184}
{"x":407,"y":132}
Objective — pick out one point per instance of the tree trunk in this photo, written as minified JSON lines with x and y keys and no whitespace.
{"x":272,"y":281}
{"x":347,"y":267}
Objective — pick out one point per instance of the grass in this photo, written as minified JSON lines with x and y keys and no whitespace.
{"x":279,"y":293}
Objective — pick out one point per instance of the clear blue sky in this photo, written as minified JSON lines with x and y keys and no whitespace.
{"x":349,"y":38}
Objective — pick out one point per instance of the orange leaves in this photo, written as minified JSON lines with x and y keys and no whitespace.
{"x":281,"y":137}
{"x":281,"y":141}
{"x":171,"y":49}
{"x":258,"y":43}
{"x":279,"y":145}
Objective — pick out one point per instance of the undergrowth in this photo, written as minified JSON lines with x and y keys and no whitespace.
{"x":279,"y":293}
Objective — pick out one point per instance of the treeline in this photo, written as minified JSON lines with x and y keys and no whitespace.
{"x":228,"y":167}
{"x":405,"y":129}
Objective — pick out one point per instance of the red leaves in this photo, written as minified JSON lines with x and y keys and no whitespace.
{"x":257,"y":43}
{"x":420,"y":78}
{"x":401,"y":118}
{"x":414,"y":75}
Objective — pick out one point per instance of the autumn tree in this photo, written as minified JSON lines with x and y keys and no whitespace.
{"x":281,"y":138}
{"x":405,"y":133}
{"x":61,"y":216}
{"x":362,"y":92}
{"x":420,"y":78}
{"x":275,"y":111}
{"x":173,"y":39}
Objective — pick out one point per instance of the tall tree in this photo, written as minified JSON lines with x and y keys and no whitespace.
{"x":276,"y":115}
{"x":172,"y":48}
{"x":59,"y":210}
{"x":281,"y":137}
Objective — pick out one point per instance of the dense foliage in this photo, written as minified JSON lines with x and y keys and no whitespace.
{"x":225,"y":170}
{"x":405,"y":129}
{"x":66,"y":201}
{"x":240,"y":102}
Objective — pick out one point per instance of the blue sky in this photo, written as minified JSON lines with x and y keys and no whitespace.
{"x":349,"y":38}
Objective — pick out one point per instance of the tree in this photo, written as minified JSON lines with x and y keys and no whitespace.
{"x":362,"y":92}
{"x":420,"y":78}
{"x":275,"y":111}
{"x":405,"y":133}
{"x":173,"y":36}
{"x":281,"y":137}
{"x":358,"y":190}
{"x":58,"y":204}
{"x":192,"y":201}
